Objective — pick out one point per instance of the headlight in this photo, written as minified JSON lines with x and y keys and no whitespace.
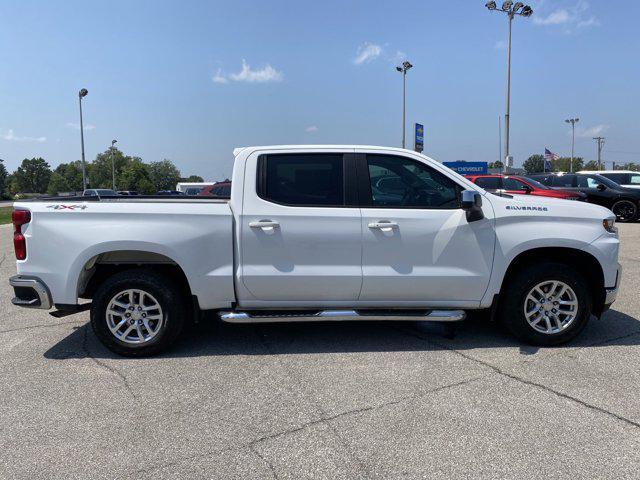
{"x":609,"y":225}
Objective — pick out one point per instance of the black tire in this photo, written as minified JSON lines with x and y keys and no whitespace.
{"x":167,"y":294}
{"x":625,"y":210}
{"x":518,"y":286}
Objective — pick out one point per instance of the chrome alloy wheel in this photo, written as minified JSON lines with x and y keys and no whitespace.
{"x":134,"y":316}
{"x":550,"y":307}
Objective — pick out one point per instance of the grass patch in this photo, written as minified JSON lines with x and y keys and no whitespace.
{"x":5,"y":215}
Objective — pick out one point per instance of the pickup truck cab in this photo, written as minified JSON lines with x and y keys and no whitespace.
{"x":318,"y":233}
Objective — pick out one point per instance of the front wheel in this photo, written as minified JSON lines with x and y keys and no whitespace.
{"x":546,"y":304}
{"x":625,"y":210}
{"x":137,"y":313}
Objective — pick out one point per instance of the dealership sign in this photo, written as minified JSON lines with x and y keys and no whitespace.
{"x":418,"y":137}
{"x":468,"y":168}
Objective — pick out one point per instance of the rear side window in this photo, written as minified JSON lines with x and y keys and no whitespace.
{"x":619,"y":178}
{"x":564,"y":181}
{"x":488,"y":183}
{"x":302,"y":180}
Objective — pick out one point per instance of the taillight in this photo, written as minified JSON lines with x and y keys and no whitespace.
{"x":19,"y":218}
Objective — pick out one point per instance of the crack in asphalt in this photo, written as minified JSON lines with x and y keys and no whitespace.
{"x":104,"y":365}
{"x":44,"y":325}
{"x":4,"y":257}
{"x":516,"y":378}
{"x":252,"y":444}
{"x":274,"y":474}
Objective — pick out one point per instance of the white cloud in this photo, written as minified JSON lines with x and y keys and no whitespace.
{"x":86,"y":126}
{"x":311,"y":129}
{"x":264,"y":75}
{"x":570,"y":16}
{"x":367,"y":52}
{"x":219,"y":78}
{"x":591,"y":131}
{"x":558,"y":17}
{"x":11,"y":137}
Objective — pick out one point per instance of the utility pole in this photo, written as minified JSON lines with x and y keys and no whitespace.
{"x":511,"y":10}
{"x":113,"y":164}
{"x":81,"y":94}
{"x":500,"y":138}
{"x":573,"y":122}
{"x":600,"y":143}
{"x":403,"y":69}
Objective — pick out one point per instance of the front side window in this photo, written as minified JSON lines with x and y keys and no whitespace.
{"x":585,"y":181}
{"x":302,"y":179}
{"x":488,"y":183}
{"x":404,"y":183}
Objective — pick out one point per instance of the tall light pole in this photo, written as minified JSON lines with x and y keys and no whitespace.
{"x":511,"y":10}
{"x":81,"y":94}
{"x":113,"y":163}
{"x":600,"y":143}
{"x":403,"y":69}
{"x":573,"y":122}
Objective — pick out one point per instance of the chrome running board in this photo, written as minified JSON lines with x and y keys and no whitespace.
{"x":343,"y":315}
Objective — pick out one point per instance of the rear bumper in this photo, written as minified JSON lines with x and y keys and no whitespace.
{"x":30,"y":292}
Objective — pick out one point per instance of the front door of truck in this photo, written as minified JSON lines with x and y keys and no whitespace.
{"x":301,"y":239}
{"x":418,"y":247}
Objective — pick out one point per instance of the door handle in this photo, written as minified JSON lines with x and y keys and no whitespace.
{"x":266,"y":225}
{"x":384,"y":226}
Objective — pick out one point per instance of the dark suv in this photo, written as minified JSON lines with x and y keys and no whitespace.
{"x":600,"y":190}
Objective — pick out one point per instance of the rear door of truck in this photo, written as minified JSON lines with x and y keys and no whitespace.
{"x":300,"y":232}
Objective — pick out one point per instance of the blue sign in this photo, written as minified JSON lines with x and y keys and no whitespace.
{"x":468,"y":168}
{"x":419,"y":137}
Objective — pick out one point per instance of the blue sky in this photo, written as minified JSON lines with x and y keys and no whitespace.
{"x":190,"y":81}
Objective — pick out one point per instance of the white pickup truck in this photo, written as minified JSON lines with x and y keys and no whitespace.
{"x":316,"y":233}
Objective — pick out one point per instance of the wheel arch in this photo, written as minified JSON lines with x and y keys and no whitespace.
{"x":583,"y":261}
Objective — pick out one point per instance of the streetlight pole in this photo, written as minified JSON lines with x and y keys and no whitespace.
{"x":511,"y":10}
{"x":403,"y":69}
{"x":573,"y":122}
{"x":81,"y":94}
{"x":113,"y":163}
{"x":600,"y":143}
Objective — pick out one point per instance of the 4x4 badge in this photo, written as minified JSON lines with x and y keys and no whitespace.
{"x":62,"y":206}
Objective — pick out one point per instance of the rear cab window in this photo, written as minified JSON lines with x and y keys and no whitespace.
{"x":302,"y":180}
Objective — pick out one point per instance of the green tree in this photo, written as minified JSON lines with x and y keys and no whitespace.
{"x":32,"y":176}
{"x":100,"y":170}
{"x":497,"y":164}
{"x":57,"y":184}
{"x":3,"y":179}
{"x":192,"y":178}
{"x":72,"y":174}
{"x":164,"y":175}
{"x":135,"y":176}
{"x":534,"y":164}
{"x":591,"y":165}
{"x":562,"y":164}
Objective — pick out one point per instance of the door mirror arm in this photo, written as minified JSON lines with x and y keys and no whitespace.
{"x":471,"y":203}
{"x":601,"y":187}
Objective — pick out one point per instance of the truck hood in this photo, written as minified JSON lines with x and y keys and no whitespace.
{"x":535,"y":206}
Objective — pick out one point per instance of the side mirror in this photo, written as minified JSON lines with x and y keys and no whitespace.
{"x":527,"y":189}
{"x":471,"y":203}
{"x":601,"y":187}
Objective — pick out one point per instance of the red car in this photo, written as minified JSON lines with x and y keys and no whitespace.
{"x":518,"y":185}
{"x":218,"y":190}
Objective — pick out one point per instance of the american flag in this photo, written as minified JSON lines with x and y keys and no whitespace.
{"x":549,"y":155}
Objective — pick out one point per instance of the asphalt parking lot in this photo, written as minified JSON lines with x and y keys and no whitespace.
{"x":292,"y":401}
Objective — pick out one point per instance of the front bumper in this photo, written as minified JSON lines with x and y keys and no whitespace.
{"x":30,"y":292}
{"x":611,"y":293}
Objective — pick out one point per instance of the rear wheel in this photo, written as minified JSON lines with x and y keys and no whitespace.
{"x":546,"y":304}
{"x":625,"y":210}
{"x":137,"y":313}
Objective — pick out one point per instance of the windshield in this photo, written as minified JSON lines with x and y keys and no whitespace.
{"x":535,"y":183}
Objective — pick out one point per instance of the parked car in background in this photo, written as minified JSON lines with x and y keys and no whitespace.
{"x":99,"y":192}
{"x":127,"y":192}
{"x":169,"y":192}
{"x":624,"y":178}
{"x":519,"y":185}
{"x":624,"y":202}
{"x":192,"y":188}
{"x":218,"y":190}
